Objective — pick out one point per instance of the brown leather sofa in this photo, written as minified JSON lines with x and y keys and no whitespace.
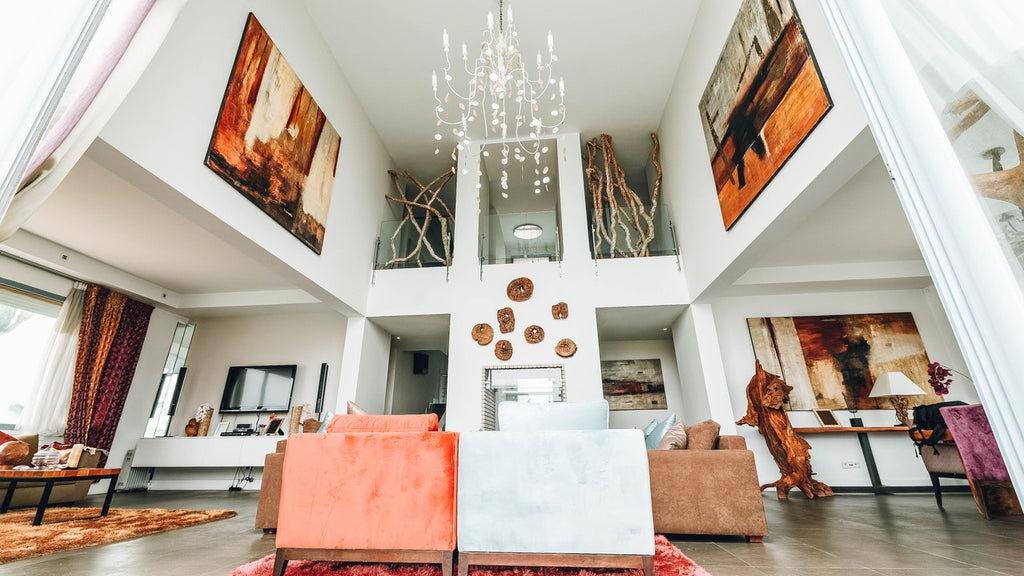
{"x":270,"y":490}
{"x":63,"y":492}
{"x":714,"y":492}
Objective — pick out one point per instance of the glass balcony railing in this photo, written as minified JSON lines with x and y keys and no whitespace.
{"x":415,"y":243}
{"x":520,"y":237}
{"x":622,"y":233}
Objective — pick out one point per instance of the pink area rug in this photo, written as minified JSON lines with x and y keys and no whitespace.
{"x":668,"y":561}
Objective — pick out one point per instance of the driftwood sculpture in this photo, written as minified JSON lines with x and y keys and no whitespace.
{"x":427,"y":200}
{"x":615,"y":202}
{"x":765,"y":395}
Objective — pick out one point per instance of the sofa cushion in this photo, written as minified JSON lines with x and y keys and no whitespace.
{"x":5,"y":438}
{"x":353,"y":408}
{"x":702,"y":435}
{"x":524,"y":417}
{"x":675,"y":438}
{"x":658,"y":432}
{"x":388,"y":423}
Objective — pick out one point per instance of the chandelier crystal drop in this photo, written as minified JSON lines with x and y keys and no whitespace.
{"x":497,"y":99}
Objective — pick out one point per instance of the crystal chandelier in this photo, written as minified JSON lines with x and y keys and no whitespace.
{"x":498,"y":99}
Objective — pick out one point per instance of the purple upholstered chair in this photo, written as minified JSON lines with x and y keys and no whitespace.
{"x":986,"y":471}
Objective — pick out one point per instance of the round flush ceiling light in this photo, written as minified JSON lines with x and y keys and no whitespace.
{"x":527,"y":231}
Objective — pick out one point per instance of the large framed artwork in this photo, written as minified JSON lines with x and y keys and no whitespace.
{"x":272,"y":142}
{"x":633,"y":384}
{"x":832,"y":361}
{"x":764,"y":97}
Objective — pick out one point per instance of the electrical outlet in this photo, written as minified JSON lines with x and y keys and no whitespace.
{"x":847,"y":464}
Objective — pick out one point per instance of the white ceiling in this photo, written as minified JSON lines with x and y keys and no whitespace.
{"x":619,"y":61}
{"x":862,"y":222}
{"x":97,"y":213}
{"x":637,"y":322}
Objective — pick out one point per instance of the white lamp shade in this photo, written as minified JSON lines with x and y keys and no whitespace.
{"x":894,"y":384}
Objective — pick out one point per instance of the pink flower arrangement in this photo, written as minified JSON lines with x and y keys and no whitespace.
{"x":940,"y":378}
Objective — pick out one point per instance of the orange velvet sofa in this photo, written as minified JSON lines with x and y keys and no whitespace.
{"x":373,"y":489}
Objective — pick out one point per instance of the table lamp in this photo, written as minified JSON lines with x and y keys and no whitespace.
{"x":896,"y":386}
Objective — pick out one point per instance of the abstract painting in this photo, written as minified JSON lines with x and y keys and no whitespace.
{"x":832,"y":361}
{"x":272,"y":142}
{"x":633,"y":384}
{"x":764,"y":97}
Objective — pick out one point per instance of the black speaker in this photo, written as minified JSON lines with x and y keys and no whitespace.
{"x":323,"y":388}
{"x":420,"y":363}
{"x":178,"y":385}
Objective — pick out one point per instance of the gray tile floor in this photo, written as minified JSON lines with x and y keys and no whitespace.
{"x":848,"y":535}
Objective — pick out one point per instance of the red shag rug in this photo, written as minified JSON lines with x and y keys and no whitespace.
{"x":668,"y":561}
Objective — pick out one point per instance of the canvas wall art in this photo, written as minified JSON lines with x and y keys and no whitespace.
{"x":764,"y":97}
{"x":832,"y":361}
{"x":272,"y":142}
{"x":633,"y":384}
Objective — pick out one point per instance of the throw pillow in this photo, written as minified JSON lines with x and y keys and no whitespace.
{"x":353,"y":408}
{"x":654,"y":438}
{"x":325,"y":421}
{"x":14,"y":453}
{"x":702,"y":435}
{"x":5,"y":438}
{"x":650,"y":427}
{"x":674,"y":439}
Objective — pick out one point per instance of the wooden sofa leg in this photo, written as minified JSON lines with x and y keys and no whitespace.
{"x":755,"y":539}
{"x":280,"y":563}
{"x":463,"y":565}
{"x":446,"y":563}
{"x":648,"y":565}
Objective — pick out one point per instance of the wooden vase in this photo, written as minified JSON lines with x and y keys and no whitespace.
{"x":204,"y":426}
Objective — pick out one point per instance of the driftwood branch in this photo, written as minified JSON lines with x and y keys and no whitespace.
{"x":615,"y":202}
{"x":766,"y":394}
{"x":427,"y":199}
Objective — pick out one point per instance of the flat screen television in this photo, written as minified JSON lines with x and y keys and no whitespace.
{"x":258,"y":388}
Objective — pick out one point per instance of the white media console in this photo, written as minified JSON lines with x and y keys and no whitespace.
{"x":206,"y":463}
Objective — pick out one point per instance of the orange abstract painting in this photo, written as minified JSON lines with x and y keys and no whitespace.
{"x":272,"y":142}
{"x":764,"y":97}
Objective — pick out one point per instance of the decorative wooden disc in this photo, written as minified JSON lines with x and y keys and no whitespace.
{"x":483,"y":334}
{"x":560,"y":311}
{"x":534,"y":334}
{"x":520,"y":289}
{"x":503,"y":350}
{"x":506,"y":320}
{"x":565,"y":348}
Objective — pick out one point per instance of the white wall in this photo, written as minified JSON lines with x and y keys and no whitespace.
{"x":165,"y":124}
{"x":412,"y":393}
{"x":303,"y":339}
{"x":645,"y":350}
{"x":893,"y":452}
{"x":837,"y":148}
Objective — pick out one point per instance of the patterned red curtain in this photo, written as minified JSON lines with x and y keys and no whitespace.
{"x":109,"y":343}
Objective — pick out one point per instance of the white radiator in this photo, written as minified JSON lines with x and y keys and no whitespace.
{"x":132,"y":479}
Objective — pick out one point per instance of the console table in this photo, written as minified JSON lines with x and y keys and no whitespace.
{"x":865,"y":446}
{"x":48,"y":478}
{"x":204,"y":452}
{"x":205,"y":460}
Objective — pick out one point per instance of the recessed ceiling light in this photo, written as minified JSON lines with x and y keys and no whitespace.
{"x":527,"y":231}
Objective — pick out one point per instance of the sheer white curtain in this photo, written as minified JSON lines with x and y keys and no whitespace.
{"x":47,"y":409}
{"x":976,"y":45}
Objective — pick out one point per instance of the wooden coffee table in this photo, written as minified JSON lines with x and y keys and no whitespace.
{"x":48,"y":478}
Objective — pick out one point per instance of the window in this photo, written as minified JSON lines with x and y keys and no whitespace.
{"x":171,"y":382}
{"x":26,"y":321}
